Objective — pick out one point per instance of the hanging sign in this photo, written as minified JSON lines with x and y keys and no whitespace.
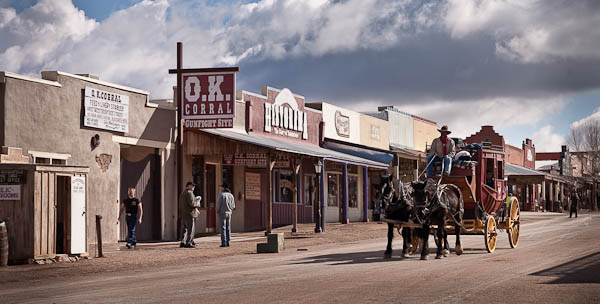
{"x":208,"y":100}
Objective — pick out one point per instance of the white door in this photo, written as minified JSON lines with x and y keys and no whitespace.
{"x":78,"y":214}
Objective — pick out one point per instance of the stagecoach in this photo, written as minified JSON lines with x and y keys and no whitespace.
{"x":487,"y":209}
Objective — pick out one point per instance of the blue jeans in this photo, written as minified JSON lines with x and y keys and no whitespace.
{"x":131,"y":222}
{"x":225,"y":229}
{"x":447,"y":163}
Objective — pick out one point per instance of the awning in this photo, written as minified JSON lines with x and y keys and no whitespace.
{"x":520,"y":175}
{"x":298,"y":148}
{"x":376,"y":156}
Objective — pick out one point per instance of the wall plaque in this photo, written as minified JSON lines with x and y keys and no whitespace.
{"x":342,"y":124}
{"x":252,"y":186}
{"x":10,"y":192}
{"x":10,"y":176}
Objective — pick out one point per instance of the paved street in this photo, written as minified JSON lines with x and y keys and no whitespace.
{"x":558,"y":261}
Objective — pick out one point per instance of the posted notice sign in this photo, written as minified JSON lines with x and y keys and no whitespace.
{"x":106,"y":110}
{"x":10,"y":192}
{"x":208,"y":100}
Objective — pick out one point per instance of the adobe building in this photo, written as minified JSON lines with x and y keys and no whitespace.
{"x":123,"y":137}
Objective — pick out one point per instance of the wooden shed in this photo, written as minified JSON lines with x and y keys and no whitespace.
{"x":44,"y":207}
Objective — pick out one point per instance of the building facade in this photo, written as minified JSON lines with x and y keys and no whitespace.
{"x":80,"y":120}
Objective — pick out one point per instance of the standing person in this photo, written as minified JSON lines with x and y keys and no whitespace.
{"x":442,"y":148}
{"x":226,"y":207}
{"x":186,"y":206}
{"x":574,"y":202}
{"x":134,"y":212}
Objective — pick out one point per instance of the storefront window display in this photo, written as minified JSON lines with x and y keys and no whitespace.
{"x":227,"y":173}
{"x":309,"y":188}
{"x":285,"y":186}
{"x":353,"y":191}
{"x":198,"y":179}
{"x":333,"y":190}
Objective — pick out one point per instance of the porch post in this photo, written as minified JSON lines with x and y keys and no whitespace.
{"x":365,"y":194}
{"x":270,"y":165}
{"x":543,"y":199}
{"x":551,"y":196}
{"x":345,"y":194}
{"x":322,"y":197}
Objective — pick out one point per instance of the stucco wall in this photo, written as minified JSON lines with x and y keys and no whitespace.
{"x":369,"y":136}
{"x":424,"y":134}
{"x":47,"y":118}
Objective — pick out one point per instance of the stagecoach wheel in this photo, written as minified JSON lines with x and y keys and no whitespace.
{"x":514,"y":224}
{"x":490,"y":234}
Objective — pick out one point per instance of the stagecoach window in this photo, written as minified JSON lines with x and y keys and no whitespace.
{"x":352,"y":191}
{"x":500,"y":173}
{"x":333,"y":190}
{"x":285,"y":186}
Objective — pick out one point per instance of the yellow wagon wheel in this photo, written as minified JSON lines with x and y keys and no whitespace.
{"x":514,"y":223}
{"x":490,"y":234}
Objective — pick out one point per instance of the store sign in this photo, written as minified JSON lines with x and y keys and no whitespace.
{"x":375,"y":133}
{"x":12,"y":176}
{"x":246,"y":159}
{"x":282,"y":161}
{"x":208,"y":100}
{"x":10,"y":192}
{"x":285,"y":118}
{"x":106,"y":110}
{"x":342,"y":124}
{"x":252,"y":191}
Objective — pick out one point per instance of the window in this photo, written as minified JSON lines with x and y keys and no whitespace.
{"x":59,"y":161}
{"x":310,"y":190}
{"x":42,"y":160}
{"x":352,"y":191}
{"x":49,"y":158}
{"x":333,"y":190}
{"x":283,"y":182}
{"x":227,"y":175}
{"x":500,"y":167}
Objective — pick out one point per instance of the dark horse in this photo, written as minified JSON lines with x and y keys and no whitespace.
{"x":443,"y":204}
{"x":397,"y":206}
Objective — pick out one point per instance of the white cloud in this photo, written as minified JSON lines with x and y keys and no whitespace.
{"x":547,"y":141}
{"x":529,"y":30}
{"x":467,"y":117}
{"x":581,"y":122}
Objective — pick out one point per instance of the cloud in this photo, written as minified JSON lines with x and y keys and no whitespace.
{"x":583,"y":121}
{"x":346,"y":52}
{"x":466,"y":118}
{"x":547,"y":141}
{"x":530,"y":30}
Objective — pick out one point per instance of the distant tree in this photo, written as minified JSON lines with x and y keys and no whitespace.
{"x":585,"y":139}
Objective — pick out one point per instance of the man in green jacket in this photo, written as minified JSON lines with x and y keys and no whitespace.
{"x":186,"y":205}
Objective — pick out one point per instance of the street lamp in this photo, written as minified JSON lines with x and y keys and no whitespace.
{"x":318,"y":169}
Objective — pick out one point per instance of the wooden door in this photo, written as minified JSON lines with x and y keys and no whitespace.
{"x":144,"y":176}
{"x":255,"y":193}
{"x":78,"y":215}
{"x":211,"y":197}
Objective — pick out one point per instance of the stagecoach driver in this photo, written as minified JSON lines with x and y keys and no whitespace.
{"x":442,"y":149}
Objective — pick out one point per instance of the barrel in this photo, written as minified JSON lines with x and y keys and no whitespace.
{"x":3,"y":244}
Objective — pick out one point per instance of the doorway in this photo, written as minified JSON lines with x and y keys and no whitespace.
{"x":63,"y":198}
{"x":211,"y":197}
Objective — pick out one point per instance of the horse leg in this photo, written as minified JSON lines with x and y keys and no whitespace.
{"x":425,"y":238}
{"x":390,"y":235}
{"x":446,"y":247}
{"x":405,"y":242}
{"x":440,"y":240}
{"x":458,"y":246}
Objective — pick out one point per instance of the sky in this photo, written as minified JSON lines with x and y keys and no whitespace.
{"x":530,"y":68}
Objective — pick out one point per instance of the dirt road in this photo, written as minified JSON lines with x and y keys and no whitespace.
{"x":558,"y":261}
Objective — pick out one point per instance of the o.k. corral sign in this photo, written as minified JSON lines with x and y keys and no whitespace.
{"x":208,"y":100}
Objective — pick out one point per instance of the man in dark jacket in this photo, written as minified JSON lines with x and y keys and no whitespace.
{"x":574,"y":202}
{"x":186,"y":205}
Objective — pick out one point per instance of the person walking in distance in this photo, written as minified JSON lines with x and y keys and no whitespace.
{"x":186,"y":206}
{"x":226,"y":206}
{"x":134,"y":212}
{"x":574,"y":202}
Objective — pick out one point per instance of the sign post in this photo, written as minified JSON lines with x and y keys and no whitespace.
{"x":205,"y":100}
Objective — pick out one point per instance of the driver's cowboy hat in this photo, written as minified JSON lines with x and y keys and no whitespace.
{"x":444,"y":129}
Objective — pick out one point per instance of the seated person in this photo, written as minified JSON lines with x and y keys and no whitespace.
{"x":442,"y":148}
{"x":489,"y":180}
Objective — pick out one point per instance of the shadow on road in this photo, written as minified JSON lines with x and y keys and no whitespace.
{"x":354,"y":258}
{"x":580,"y":270}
